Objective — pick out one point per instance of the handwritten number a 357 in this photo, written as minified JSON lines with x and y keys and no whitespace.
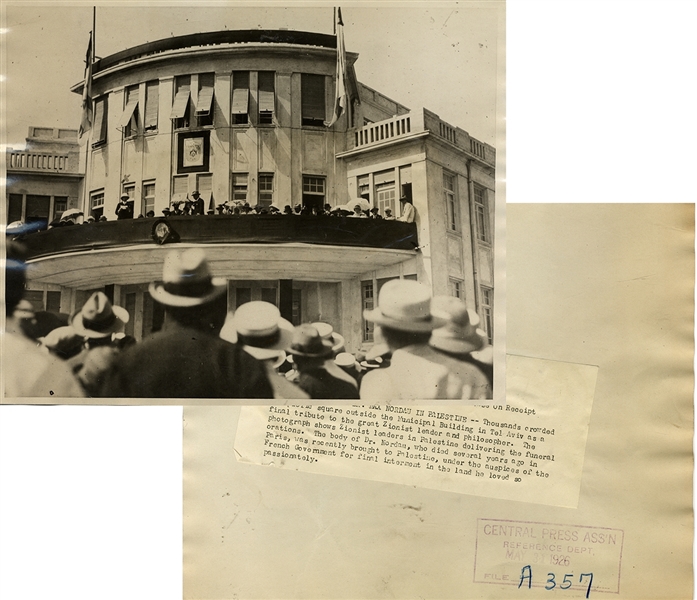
{"x":526,"y":576}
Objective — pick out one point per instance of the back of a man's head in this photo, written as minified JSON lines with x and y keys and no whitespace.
{"x":396,"y":338}
{"x":208,"y":317}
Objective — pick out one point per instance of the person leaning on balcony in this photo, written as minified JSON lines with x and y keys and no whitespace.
{"x":408,"y":210}
{"x":197,"y":204}
{"x":187,"y":358}
{"x":358,"y":212}
{"x":405,"y":320}
{"x":388,"y":215}
{"x":124,"y":209}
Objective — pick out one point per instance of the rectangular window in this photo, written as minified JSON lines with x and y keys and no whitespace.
{"x":239,"y":187}
{"x":180,"y":187}
{"x":266,"y":189}
{"x":456,"y":288}
{"x":130,"y":189}
{"x":148,"y":198}
{"x":204,"y":106}
{"x":204,"y":185}
{"x":368,"y":304}
{"x":267,"y":97}
{"x":363,"y":185}
{"x":313,"y":192}
{"x":240,"y":97}
{"x":152,"y":102}
{"x":481,"y":211}
{"x":38,"y":208}
{"x":97,"y":204}
{"x":269,"y":295}
{"x":53,"y":302}
{"x":100,"y":122}
{"x":130,"y":306}
{"x":385,"y":192}
{"x":242,"y":296}
{"x":14,"y":209}
{"x":129,"y":118}
{"x":180,"y":106}
{"x":313,"y":100}
{"x":60,"y":205}
{"x":451,"y":208}
{"x":296,"y":315}
{"x":487,"y":308}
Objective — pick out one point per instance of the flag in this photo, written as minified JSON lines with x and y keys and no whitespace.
{"x":341,"y":102}
{"x":86,"y":121}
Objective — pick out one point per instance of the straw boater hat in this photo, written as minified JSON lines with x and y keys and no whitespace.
{"x":405,"y":305}
{"x":329,"y":335}
{"x":186,"y":280}
{"x":460,"y":334}
{"x":346,"y":360}
{"x":98,"y":318}
{"x":260,"y":329}
{"x":308,"y":342}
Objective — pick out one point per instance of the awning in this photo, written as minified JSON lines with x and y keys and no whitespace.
{"x":205,"y":101}
{"x":240,"y":101}
{"x":181,"y":101}
{"x":128,"y":111}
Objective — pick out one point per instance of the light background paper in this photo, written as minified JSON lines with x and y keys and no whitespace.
{"x":600,"y":108}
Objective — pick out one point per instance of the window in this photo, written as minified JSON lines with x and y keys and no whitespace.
{"x":240,"y":97}
{"x":204,"y":185}
{"x":487,"y":306}
{"x":267,"y":97}
{"x":296,"y":311}
{"x":481,"y":211}
{"x":53,"y":301}
{"x":456,"y":288}
{"x":363,"y":184}
{"x":368,"y":304}
{"x":152,"y":101}
{"x":100,"y":122}
{"x":313,"y":192}
{"x":266,"y":189}
{"x":313,"y":100}
{"x":37,"y":208}
{"x":204,"y":106}
{"x":385,"y":190}
{"x":239,"y":187}
{"x":129,"y":118}
{"x":60,"y":205}
{"x":130,"y":189}
{"x":451,"y":202}
{"x":130,"y":306}
{"x":97,"y":204}
{"x":14,"y":209}
{"x":180,"y":186}
{"x":148,"y":198}
{"x":180,"y":107}
{"x":242,"y":296}
{"x":269,"y":295}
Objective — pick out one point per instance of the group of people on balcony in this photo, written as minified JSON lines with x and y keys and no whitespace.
{"x":425,"y":348}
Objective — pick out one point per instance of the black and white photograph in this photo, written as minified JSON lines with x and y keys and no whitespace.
{"x":254,"y":202}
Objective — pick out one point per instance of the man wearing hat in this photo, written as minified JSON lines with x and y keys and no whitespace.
{"x":261,"y":331}
{"x":338,"y":344}
{"x":406,"y":322}
{"x":455,"y":342}
{"x":97,"y":323}
{"x":197,"y":204}
{"x":187,"y":358}
{"x":124,"y":209}
{"x":408,"y":210}
{"x":310,"y":352}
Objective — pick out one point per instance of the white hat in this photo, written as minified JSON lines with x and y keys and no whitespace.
{"x":460,"y":334}
{"x":259,"y":328}
{"x":98,"y":318}
{"x":405,"y":305}
{"x":186,"y":280}
{"x":329,"y":335}
{"x":345,"y":359}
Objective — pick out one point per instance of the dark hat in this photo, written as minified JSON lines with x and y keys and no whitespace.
{"x":195,"y":194}
{"x":309,"y":343}
{"x":98,"y":318}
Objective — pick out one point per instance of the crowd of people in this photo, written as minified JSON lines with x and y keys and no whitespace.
{"x":425,"y":348}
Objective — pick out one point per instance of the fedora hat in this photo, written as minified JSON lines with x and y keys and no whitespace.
{"x":460,"y":334}
{"x":330,"y":336}
{"x":98,"y":318}
{"x":186,"y":280}
{"x":405,"y":305}
{"x":309,"y":343}
{"x":259,"y":328}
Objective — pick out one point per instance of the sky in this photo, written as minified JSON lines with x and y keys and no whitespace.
{"x":441,"y":55}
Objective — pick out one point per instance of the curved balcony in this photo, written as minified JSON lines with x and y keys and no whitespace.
{"x":257,"y":246}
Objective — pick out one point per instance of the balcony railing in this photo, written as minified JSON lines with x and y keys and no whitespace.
{"x":225,"y":229}
{"x":419,"y":121}
{"x":37,"y":161}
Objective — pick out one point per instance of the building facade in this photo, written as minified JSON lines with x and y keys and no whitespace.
{"x":240,"y":116}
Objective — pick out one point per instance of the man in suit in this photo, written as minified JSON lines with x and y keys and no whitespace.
{"x":124,"y":209}
{"x":197,"y":204}
{"x":187,"y":358}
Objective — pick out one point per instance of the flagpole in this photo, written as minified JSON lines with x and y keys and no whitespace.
{"x":88,"y":147}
